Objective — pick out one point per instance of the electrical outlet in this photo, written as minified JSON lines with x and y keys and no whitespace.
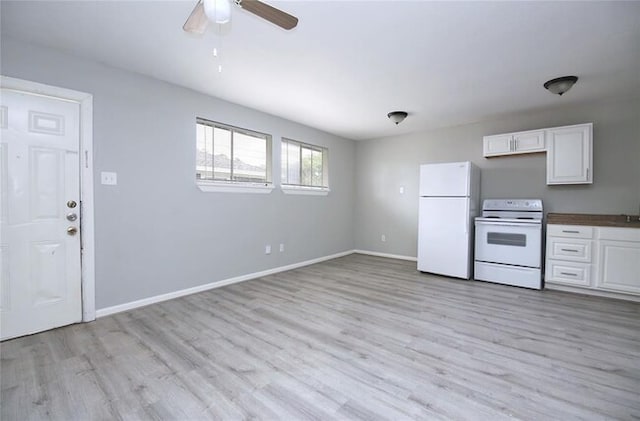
{"x":267,"y":249}
{"x":109,"y":178}
{"x":383,"y":238}
{"x":401,"y":189}
{"x":281,"y":247}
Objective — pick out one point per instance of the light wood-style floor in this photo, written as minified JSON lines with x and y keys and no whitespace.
{"x":358,"y":337}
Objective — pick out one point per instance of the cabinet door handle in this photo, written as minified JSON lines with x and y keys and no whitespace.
{"x":515,"y":144}
{"x":587,"y":174}
{"x":568,"y":274}
{"x":571,"y":231}
{"x":571,"y":250}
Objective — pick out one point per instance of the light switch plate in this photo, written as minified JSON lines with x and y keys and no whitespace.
{"x":109,"y":178}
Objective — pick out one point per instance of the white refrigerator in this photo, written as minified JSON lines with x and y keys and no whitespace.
{"x":449,"y":202}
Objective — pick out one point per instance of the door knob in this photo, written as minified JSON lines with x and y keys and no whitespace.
{"x":71,"y":204}
{"x":72,"y":230}
{"x":72,"y":216}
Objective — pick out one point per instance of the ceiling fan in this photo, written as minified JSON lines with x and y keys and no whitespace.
{"x":219,"y":11}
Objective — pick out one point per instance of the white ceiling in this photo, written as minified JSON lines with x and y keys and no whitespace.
{"x":348,"y":63}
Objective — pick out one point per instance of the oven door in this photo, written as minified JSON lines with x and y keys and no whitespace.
{"x":510,"y":243}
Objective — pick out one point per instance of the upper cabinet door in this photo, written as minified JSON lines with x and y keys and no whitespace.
{"x":569,"y":154}
{"x":526,"y":142}
{"x":513,"y":143}
{"x":500,"y":144}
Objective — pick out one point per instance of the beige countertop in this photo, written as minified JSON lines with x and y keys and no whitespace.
{"x":593,"y":219}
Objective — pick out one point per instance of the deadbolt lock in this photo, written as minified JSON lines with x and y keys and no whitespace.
{"x":71,"y":204}
{"x":72,"y":216}
{"x":72,"y":230}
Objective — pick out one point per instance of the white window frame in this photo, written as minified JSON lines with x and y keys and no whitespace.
{"x":238,"y":186}
{"x":304,"y":189}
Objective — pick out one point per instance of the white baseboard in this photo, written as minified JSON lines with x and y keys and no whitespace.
{"x":390,"y":256}
{"x":588,"y":291}
{"x":188,"y":291}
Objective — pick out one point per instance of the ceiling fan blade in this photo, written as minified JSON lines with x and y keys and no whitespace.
{"x":270,"y":13}
{"x":197,"y":21}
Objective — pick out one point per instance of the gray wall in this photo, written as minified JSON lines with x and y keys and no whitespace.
{"x":156,"y":232}
{"x":384,"y":165}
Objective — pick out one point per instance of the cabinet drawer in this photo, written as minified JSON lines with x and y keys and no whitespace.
{"x":570,"y":231}
{"x":575,"y":250}
{"x":568,"y":273}
{"x":619,"y":234}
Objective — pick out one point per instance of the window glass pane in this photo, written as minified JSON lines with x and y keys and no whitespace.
{"x":303,"y":165}
{"x":221,"y":153}
{"x":316,"y":168}
{"x":306,"y":167}
{"x":249,"y":158}
{"x":293,"y":155}
{"x":225,"y":153}
{"x":204,"y":152}
{"x":283,"y":162}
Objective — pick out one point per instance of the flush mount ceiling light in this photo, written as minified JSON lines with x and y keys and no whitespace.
{"x":560,"y":85}
{"x":397,"y":116}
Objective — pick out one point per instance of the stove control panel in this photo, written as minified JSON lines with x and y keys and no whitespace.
{"x":513,"y":204}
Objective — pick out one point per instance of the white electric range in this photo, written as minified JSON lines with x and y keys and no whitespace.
{"x":508,"y":244}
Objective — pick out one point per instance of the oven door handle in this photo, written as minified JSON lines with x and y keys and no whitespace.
{"x":509,"y":224}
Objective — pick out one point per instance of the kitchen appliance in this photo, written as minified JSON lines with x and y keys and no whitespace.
{"x":449,"y":200}
{"x":509,"y":242}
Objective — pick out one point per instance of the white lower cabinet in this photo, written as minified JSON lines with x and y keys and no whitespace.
{"x":593,"y":259}
{"x":619,"y":253}
{"x":569,"y":255}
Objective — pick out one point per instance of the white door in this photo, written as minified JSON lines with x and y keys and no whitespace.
{"x":444,"y":238}
{"x":451,"y":179}
{"x":40,"y":201}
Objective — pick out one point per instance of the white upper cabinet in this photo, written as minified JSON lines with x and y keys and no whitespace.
{"x":514,"y":143}
{"x":569,"y":150}
{"x":569,"y":154}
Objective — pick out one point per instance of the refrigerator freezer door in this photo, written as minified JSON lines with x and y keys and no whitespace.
{"x":444,"y":236}
{"x":452,"y":179}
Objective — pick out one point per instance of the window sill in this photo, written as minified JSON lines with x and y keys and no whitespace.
{"x":310,"y":191}
{"x":218,"y":187}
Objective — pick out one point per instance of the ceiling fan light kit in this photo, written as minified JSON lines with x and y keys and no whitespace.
{"x":560,"y":85}
{"x":218,"y":11}
{"x":397,"y":117}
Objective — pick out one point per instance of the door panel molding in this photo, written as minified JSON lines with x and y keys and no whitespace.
{"x":85,"y":101}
